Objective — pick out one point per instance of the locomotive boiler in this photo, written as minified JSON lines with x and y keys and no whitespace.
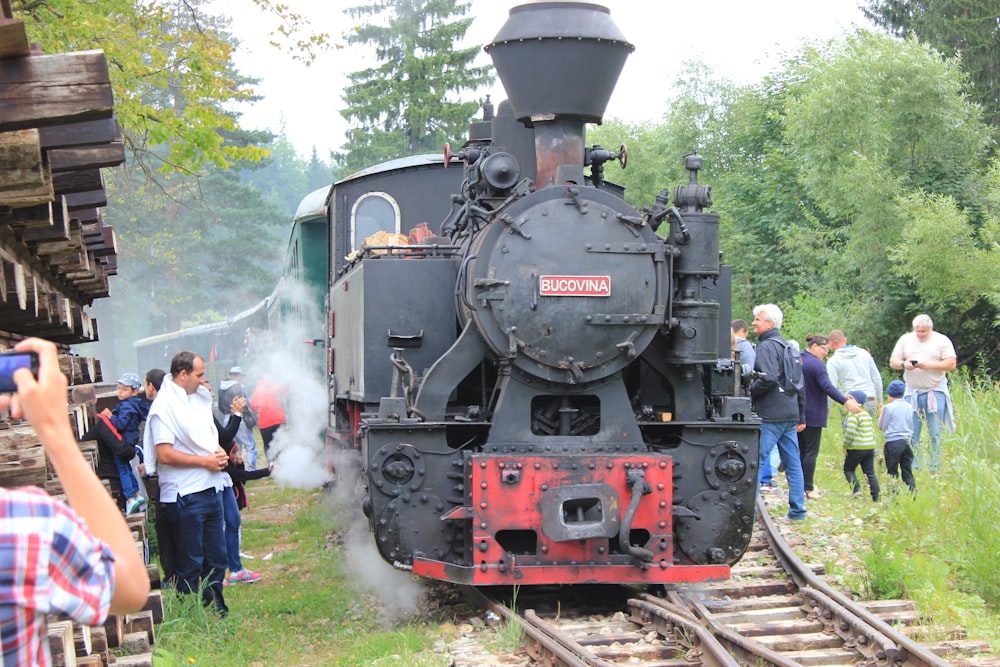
{"x":542,"y":390}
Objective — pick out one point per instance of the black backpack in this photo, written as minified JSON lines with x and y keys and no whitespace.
{"x":790,"y":380}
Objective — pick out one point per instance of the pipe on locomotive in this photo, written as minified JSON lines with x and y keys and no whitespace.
{"x":554,"y":89}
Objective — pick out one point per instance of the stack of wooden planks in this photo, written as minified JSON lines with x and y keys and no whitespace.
{"x":57,"y":131}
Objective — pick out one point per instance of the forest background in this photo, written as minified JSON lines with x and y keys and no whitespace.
{"x":858,"y":183}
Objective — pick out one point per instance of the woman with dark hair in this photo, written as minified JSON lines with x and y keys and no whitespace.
{"x":817,"y":387}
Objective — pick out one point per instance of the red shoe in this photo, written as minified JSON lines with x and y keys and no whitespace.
{"x":244,"y":577}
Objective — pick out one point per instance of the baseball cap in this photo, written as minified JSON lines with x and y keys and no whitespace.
{"x":236,"y":370}
{"x":130,"y":380}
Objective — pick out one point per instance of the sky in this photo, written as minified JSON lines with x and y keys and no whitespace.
{"x":738,"y":39}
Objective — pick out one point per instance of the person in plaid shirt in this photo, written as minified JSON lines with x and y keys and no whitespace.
{"x":78,"y":560}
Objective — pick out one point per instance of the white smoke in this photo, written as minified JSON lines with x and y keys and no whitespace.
{"x":398,"y":593}
{"x":288,"y":358}
{"x":298,"y":449}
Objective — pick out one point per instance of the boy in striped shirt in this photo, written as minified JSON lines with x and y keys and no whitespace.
{"x":859,"y":448}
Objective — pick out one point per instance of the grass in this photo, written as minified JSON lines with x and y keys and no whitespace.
{"x":508,"y":633}
{"x":309,"y":609}
{"x":939,"y":546}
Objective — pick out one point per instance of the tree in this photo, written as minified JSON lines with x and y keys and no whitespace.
{"x":882,"y":125}
{"x":969,"y":28}
{"x":214,"y":245}
{"x":283,"y":177}
{"x":401,"y":106}
{"x":171,"y":74}
{"x":854,"y":190}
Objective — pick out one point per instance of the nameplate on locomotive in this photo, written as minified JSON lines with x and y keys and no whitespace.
{"x":574,"y":285}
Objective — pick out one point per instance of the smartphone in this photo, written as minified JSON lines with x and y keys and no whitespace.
{"x":10,"y":362}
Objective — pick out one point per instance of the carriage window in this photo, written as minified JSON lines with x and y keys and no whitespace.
{"x":374,"y":212}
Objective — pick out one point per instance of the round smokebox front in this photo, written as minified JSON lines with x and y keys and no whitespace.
{"x":564,"y":283}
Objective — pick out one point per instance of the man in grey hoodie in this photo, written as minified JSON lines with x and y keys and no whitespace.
{"x":852,"y":368}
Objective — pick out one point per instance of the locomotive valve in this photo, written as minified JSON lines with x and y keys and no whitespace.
{"x":597,"y":156}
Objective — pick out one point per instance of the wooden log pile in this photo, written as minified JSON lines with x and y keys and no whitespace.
{"x":57,"y":131}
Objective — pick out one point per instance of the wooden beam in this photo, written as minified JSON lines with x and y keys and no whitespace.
{"x":86,"y":133}
{"x":13,"y":38}
{"x":77,"y":181}
{"x":24,"y":180}
{"x":85,"y":157}
{"x":88,"y":215}
{"x":58,"y":230}
{"x":44,"y":90}
{"x":29,"y":217}
{"x":77,"y":201}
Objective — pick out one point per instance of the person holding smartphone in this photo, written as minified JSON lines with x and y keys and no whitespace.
{"x":925,"y":357}
{"x":77,"y":559}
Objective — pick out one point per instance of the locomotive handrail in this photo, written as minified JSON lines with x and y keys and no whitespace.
{"x":460,"y":283}
{"x":414,"y":250}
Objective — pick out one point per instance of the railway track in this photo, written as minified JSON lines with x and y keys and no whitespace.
{"x":775,"y":610}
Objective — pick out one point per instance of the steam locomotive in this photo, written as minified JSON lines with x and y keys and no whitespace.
{"x":540,"y":387}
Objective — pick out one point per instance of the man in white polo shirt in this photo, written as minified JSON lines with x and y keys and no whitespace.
{"x":925,"y":357}
{"x":190,"y":464}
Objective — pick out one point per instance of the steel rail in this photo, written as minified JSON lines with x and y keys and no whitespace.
{"x":720,"y":657}
{"x":560,"y":654}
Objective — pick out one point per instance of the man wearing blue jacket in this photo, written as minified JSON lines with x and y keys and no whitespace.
{"x":780,"y":411}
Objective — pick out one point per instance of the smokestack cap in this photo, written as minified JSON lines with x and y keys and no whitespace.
{"x":559,"y":59}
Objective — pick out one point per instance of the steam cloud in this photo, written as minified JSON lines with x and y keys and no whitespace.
{"x":298,"y":448}
{"x":285,"y":358}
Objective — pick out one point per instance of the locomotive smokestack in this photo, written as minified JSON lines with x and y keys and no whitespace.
{"x":559,"y":63}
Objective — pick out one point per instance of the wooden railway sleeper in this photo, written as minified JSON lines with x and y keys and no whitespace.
{"x":857,"y":634}
{"x":558,"y":636}
{"x":751,"y":650}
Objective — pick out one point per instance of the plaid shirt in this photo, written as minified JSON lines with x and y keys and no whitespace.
{"x":49,"y":563}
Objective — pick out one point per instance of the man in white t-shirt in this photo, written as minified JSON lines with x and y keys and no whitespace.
{"x":925,"y":357}
{"x":190,"y":463}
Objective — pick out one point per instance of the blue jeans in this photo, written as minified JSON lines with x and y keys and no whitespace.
{"x":244,"y":436}
{"x":934,"y":419}
{"x":783,"y":435}
{"x":769,"y":467}
{"x":231,"y":511}
{"x":201,"y":547}
{"x":130,"y":485}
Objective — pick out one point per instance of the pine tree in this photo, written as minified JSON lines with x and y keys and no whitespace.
{"x":969,"y":28}
{"x":401,"y":106}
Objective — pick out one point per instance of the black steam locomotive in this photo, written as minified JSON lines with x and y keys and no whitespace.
{"x":541,"y":386}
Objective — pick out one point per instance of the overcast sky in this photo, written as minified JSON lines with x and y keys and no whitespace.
{"x":740,"y":39}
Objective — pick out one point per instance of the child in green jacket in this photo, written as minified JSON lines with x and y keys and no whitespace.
{"x":859,"y":448}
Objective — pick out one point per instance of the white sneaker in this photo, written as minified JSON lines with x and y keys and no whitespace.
{"x":135,"y":504}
